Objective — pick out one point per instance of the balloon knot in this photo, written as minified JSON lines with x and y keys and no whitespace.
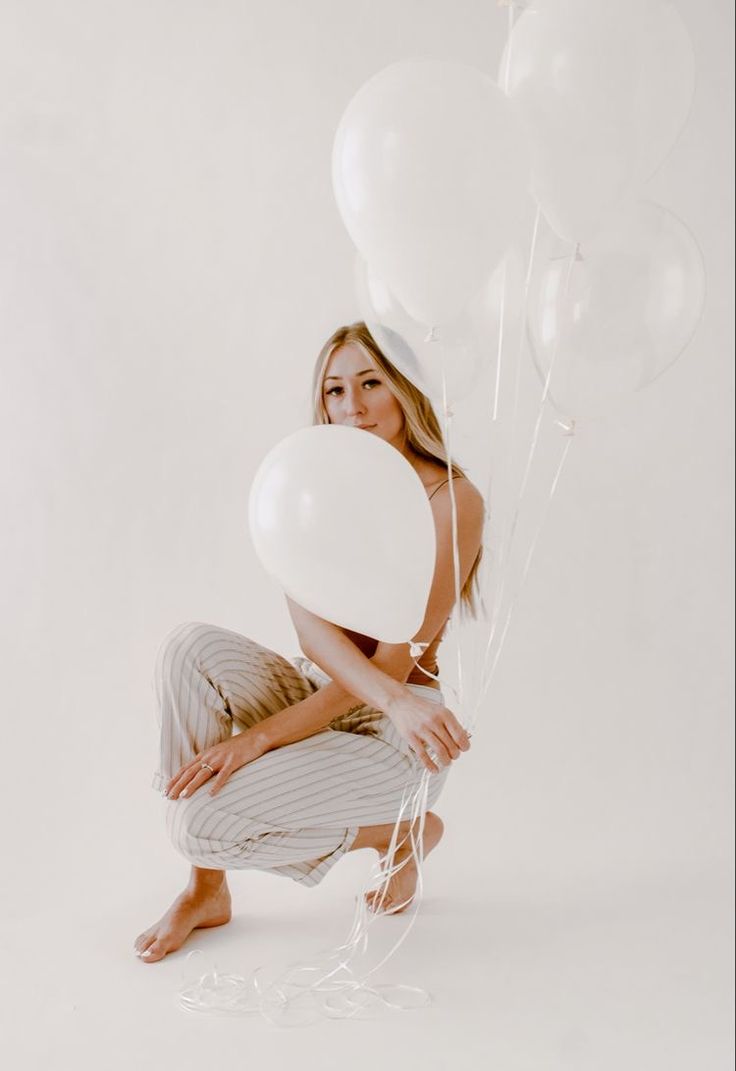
{"x":432,"y":335}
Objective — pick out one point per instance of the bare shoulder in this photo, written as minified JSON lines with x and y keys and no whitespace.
{"x":471,"y":507}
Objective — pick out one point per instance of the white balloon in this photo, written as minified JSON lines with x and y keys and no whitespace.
{"x":613,"y":319}
{"x":603,"y":88}
{"x":430,"y":172}
{"x":343,"y":522}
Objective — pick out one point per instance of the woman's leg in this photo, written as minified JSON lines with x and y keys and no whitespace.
{"x":399,"y":893}
{"x":294,"y":811}
{"x":207,"y":681}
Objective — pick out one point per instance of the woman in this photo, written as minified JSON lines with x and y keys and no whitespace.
{"x":328,"y":743}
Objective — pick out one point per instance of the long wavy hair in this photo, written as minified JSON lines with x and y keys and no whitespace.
{"x":421,"y":426}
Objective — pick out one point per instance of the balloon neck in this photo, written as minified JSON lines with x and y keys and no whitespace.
{"x":568,"y":427}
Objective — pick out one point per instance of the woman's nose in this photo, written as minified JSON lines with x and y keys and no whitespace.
{"x":355,"y":402}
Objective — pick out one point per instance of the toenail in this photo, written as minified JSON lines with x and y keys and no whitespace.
{"x":147,"y":952}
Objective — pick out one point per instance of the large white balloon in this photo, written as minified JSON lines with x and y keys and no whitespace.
{"x":603,"y":88}
{"x":430,"y":171}
{"x":614,"y":318}
{"x":343,"y":522}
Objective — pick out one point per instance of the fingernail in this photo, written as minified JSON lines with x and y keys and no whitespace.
{"x":183,"y":792}
{"x":146,"y":953}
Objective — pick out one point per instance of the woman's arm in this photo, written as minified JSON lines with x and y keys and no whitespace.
{"x":378,"y":682}
{"x":311,"y":715}
{"x":296,"y":722}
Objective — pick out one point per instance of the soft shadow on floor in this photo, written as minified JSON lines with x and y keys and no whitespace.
{"x":602,"y":977}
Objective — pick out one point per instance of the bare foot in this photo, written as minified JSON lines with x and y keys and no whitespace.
{"x":199,"y":905}
{"x":402,"y":886}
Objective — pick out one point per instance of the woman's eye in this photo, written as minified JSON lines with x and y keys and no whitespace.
{"x":335,"y":392}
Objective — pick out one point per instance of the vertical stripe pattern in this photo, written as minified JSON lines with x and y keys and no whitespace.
{"x":295,"y":810}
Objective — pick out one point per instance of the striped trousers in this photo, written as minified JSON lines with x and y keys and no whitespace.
{"x":297,"y":809}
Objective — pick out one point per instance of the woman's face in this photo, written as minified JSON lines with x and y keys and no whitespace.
{"x":355,"y":393}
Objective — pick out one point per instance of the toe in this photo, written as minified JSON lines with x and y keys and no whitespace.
{"x":144,"y":944}
{"x":377,"y":903}
{"x":141,"y":941}
{"x":154,"y":952}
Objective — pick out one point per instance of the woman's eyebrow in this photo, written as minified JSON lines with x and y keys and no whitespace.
{"x":365,"y":370}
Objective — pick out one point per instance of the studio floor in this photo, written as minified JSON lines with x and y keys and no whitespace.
{"x":596,"y":975}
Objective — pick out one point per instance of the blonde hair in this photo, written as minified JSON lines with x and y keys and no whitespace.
{"x":421,"y":426}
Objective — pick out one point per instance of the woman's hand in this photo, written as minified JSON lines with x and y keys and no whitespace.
{"x":425,"y":724}
{"x":221,"y":760}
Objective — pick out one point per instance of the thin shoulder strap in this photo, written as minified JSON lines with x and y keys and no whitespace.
{"x":442,"y":485}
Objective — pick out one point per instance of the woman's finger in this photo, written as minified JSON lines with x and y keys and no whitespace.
{"x":219,"y":781}
{"x":191,"y":787}
{"x":452,"y":749}
{"x":435,"y":741}
{"x":183,"y":775}
{"x":421,"y":752}
{"x":456,"y":731}
{"x":177,"y":783}
{"x":192,"y":777}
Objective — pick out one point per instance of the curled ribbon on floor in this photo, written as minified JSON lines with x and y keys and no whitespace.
{"x":335,"y":984}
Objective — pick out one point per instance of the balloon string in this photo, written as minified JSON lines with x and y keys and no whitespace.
{"x":522,"y":328}
{"x":507,"y":66}
{"x":447,"y":425}
{"x":488,"y":675}
{"x":511,"y":464}
{"x":506,"y":552}
{"x":545,"y":392}
{"x":520,"y":350}
{"x":504,"y":538}
{"x":336,"y":982}
{"x":500,"y":343}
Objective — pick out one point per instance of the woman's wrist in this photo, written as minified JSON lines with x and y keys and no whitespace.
{"x":255,"y":739}
{"x":396,"y":692}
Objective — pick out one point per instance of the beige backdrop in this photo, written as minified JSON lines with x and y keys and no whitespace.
{"x":171,"y":259}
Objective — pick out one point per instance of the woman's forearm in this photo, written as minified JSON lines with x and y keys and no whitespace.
{"x":305,"y":718}
{"x":314,"y":713}
{"x":342,"y":661}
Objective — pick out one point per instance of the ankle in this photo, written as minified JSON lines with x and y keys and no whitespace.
{"x":202,"y":878}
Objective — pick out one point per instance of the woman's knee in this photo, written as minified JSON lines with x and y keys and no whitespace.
{"x":186,"y":824}
{"x":179,"y":647}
